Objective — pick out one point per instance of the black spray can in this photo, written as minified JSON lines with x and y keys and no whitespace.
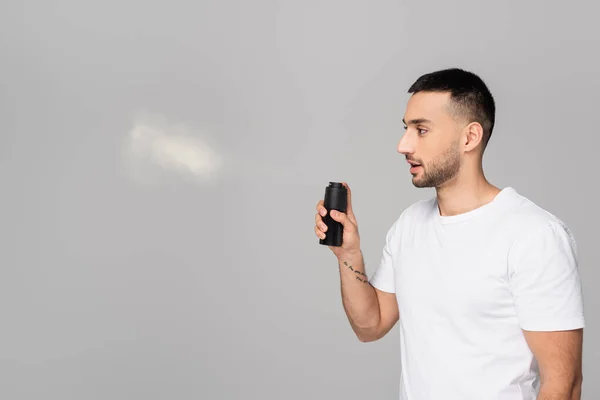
{"x":336,"y":198}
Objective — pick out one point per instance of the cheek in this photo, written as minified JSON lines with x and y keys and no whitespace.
{"x":437,"y":152}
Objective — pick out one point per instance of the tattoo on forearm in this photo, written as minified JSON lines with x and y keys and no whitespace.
{"x":360,"y":273}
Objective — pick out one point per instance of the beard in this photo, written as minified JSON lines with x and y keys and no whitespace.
{"x":440,"y":170}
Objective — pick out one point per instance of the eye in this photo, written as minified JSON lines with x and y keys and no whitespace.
{"x":405,"y":127}
{"x":422,"y":131}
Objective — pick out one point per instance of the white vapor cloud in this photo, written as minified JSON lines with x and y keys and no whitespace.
{"x":155,"y":147}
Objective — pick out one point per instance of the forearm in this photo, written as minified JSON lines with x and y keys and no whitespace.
{"x":549,"y":391}
{"x":358,"y":296}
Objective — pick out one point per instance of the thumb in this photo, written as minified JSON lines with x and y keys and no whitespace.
{"x":340,"y":217}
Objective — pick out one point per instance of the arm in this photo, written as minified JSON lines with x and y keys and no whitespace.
{"x":371,"y":312}
{"x":559,"y":356}
{"x":548,"y":296}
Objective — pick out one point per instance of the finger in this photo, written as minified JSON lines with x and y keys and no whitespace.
{"x":320,"y":235}
{"x":349,"y":202}
{"x":320,"y":224}
{"x":321,"y":208}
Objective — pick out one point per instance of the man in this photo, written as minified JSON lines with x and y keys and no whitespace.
{"x":483,"y":282}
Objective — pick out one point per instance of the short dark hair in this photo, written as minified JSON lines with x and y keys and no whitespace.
{"x":468,"y":92}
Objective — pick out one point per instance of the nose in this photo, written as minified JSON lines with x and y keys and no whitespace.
{"x":405,"y":145}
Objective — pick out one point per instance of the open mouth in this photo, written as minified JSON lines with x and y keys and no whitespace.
{"x":414,"y":166}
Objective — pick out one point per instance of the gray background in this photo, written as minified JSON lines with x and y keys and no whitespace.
{"x":161,"y":162}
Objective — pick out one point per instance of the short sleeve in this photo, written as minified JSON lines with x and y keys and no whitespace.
{"x":545,"y":281}
{"x":384,"y":277}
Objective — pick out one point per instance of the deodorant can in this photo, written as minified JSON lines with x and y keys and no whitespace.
{"x":336,"y":198}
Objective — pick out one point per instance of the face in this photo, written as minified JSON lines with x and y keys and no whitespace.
{"x":431,"y":142}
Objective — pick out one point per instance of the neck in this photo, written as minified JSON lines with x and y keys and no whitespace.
{"x":465,"y":192}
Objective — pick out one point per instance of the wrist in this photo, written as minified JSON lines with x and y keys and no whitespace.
{"x":350,"y":255}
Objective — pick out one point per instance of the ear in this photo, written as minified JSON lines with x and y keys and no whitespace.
{"x":473,"y":136}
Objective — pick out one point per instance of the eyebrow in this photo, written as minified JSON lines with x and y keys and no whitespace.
{"x":416,"y":121}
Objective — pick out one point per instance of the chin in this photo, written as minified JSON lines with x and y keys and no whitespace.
{"x":417,"y":183}
{"x":420,"y":183}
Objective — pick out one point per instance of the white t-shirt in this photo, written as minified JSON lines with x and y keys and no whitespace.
{"x":467,"y":285}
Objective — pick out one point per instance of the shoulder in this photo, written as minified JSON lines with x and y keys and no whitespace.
{"x":421,"y":209}
{"x":529,"y":217}
{"x":534,"y":226}
{"x":417,"y":211}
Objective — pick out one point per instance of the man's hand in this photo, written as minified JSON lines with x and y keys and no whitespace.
{"x":559,"y":356}
{"x":351,"y":244}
